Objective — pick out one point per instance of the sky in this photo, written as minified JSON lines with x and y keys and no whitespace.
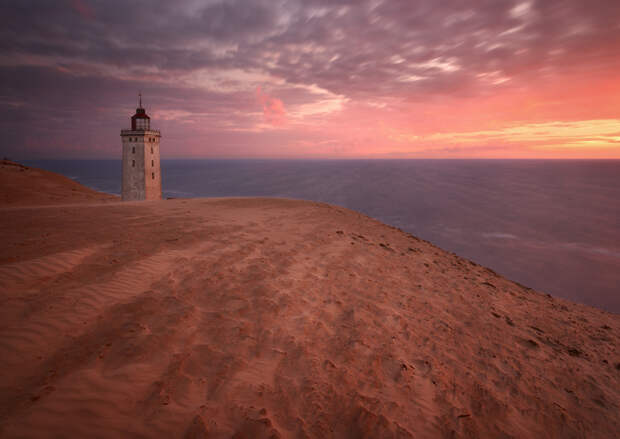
{"x":313,"y":78}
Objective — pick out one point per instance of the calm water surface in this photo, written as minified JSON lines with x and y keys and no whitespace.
{"x":551,"y":225}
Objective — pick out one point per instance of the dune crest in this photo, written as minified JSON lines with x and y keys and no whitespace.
{"x":267,"y":318}
{"x":24,"y":185}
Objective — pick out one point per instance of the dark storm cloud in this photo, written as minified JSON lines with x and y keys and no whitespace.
{"x":72,"y":54}
{"x":347,"y":47}
{"x":137,"y":33}
{"x":445,"y":43}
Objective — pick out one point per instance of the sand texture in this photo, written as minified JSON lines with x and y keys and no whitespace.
{"x":23,"y":185}
{"x":269,"y":318}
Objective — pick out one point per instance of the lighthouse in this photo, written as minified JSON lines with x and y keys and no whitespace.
{"x":141,"y":169}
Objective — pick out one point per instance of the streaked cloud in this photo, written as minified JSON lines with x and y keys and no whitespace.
{"x":551,"y":135}
{"x":349,"y":77}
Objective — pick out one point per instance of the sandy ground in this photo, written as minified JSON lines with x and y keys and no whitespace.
{"x":267,"y":318}
{"x":22,"y":185}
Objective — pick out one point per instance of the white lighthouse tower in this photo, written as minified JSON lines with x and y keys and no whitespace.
{"x":141,"y":169}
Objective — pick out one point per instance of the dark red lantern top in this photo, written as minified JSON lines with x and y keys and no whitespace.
{"x":140,"y":120}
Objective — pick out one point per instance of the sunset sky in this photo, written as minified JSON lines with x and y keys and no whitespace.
{"x":313,"y":78}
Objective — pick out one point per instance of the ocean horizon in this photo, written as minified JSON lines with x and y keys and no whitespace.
{"x":551,"y":225}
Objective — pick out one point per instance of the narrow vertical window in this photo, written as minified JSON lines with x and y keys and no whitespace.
{"x":133,"y":163}
{"x":152,"y":162}
{"x":153,"y":174}
{"x":151,"y":150}
{"x":133,"y":150}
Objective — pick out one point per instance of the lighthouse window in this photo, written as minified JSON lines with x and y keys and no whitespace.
{"x":152,"y":162}
{"x":133,"y":163}
{"x":153,"y":174}
{"x":151,"y":150}
{"x":133,"y":150}
{"x":142,"y":124}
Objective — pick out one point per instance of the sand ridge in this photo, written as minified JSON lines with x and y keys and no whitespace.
{"x":258,"y":318}
{"x":24,"y":185}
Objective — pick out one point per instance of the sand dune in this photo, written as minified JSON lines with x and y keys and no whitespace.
{"x":267,"y":318}
{"x":23,"y":185}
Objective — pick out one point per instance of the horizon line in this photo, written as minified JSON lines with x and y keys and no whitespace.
{"x":324,"y":158}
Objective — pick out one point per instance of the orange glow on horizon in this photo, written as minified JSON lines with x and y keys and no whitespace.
{"x":572,"y":118}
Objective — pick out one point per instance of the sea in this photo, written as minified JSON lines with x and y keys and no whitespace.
{"x":551,"y":225}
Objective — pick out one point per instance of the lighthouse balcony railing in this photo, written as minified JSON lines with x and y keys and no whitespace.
{"x":137,"y":130}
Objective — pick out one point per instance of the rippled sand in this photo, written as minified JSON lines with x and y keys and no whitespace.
{"x":258,"y":318}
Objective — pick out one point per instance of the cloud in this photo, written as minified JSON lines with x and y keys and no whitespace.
{"x":273,"y":108}
{"x":82,"y":8}
{"x":337,"y":65}
{"x":571,"y":137}
{"x":310,"y":42}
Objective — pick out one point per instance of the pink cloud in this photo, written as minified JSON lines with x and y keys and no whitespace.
{"x":83,"y":9}
{"x":273,"y":108}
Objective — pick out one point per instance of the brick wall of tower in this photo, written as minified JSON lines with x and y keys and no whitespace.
{"x":141,"y":166}
{"x":152,"y":169}
{"x":133,"y":168}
